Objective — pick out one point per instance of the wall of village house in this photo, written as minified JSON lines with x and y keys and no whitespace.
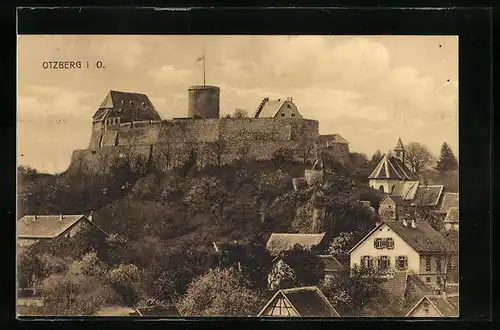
{"x":431,"y":276}
{"x":386,"y":183}
{"x":422,"y":311}
{"x":401,"y":248}
{"x":388,"y":209}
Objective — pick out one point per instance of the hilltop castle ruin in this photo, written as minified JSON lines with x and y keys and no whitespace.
{"x":128,"y":125}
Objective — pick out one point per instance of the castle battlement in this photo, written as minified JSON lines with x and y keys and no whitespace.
{"x":128,"y":124}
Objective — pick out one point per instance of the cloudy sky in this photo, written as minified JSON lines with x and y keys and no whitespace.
{"x":370,"y":89}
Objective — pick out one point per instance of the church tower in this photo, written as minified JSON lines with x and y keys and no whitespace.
{"x":399,"y":151}
{"x":391,"y":172}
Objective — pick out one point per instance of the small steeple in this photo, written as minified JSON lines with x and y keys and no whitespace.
{"x":399,"y":151}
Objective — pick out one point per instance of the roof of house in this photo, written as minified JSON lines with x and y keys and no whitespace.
{"x":331,"y":138}
{"x":286,"y":241}
{"x":331,"y":264}
{"x":391,"y":167}
{"x":423,"y":238}
{"x":156,"y":311}
{"x":449,"y":200}
{"x":128,"y":106}
{"x":406,"y":189}
{"x":307,"y":302}
{"x":269,"y":108}
{"x":115,"y":311}
{"x":427,"y":195}
{"x":452,"y":215}
{"x":46,"y":226}
{"x":403,"y":289}
{"x":441,"y":304}
{"x":400,"y":201}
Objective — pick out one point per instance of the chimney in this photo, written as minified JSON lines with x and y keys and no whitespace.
{"x":413,"y":224}
{"x":91,"y":216}
{"x":61,"y":217}
{"x":36,"y":216}
{"x":405,"y":223}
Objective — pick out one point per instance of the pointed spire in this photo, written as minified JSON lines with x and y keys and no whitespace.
{"x":399,"y":145}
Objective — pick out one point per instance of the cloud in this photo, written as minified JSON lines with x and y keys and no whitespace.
{"x":168,"y":74}
{"x":126,"y":51}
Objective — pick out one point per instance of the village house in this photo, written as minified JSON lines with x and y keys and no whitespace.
{"x":279,"y":242}
{"x":299,"y":302}
{"x":394,"y":246}
{"x":399,"y":293}
{"x":433,"y":306}
{"x":451,"y":219}
{"x":34,"y":228}
{"x":411,"y":197}
{"x":450,"y":211}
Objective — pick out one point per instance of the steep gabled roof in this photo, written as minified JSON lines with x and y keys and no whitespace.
{"x":306,"y":301}
{"x":331,"y":264}
{"x":128,"y":106}
{"x":391,"y":167}
{"x":406,"y":189}
{"x":46,"y":226}
{"x":423,"y":238}
{"x":452,"y":216}
{"x":326,"y":139}
{"x":449,"y":200}
{"x":427,"y":195}
{"x":442,"y":306}
{"x":286,"y":241}
{"x":269,"y":108}
{"x":398,"y":200}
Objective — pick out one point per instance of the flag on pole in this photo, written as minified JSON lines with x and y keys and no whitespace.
{"x":200,"y":58}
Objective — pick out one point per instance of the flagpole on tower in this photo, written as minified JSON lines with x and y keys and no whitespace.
{"x":203,"y":67}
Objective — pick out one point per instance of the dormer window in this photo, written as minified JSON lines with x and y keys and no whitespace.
{"x":282,"y":115}
{"x":123,"y":102}
{"x":293,"y":115}
{"x":143,"y":104}
{"x":131,"y":102}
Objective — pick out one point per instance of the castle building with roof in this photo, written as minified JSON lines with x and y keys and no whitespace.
{"x":128,"y":125}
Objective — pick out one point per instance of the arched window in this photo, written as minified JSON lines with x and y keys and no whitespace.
{"x":381,"y":188}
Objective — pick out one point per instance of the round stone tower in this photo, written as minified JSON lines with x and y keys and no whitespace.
{"x":203,"y":101}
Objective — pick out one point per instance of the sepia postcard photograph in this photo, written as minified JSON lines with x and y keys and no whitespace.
{"x":265,"y":176}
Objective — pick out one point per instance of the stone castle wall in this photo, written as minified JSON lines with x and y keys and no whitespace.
{"x":167,"y":144}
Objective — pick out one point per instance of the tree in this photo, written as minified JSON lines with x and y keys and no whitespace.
{"x":281,"y":276}
{"x":417,"y":157}
{"x":340,"y":245}
{"x":124,"y":280}
{"x":447,"y":160}
{"x":350,"y":293}
{"x":240,"y":113}
{"x":75,"y":293}
{"x":376,"y":157}
{"x":308,"y":268}
{"x":282,"y":158}
{"x":220,"y":292}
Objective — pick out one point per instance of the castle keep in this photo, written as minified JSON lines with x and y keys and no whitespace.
{"x":128,"y":125}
